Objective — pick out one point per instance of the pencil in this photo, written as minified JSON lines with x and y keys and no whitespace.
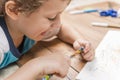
{"x":102,"y":24}
{"x":47,"y":77}
{"x":78,"y":52}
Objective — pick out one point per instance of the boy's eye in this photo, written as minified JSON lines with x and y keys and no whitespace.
{"x":51,"y":19}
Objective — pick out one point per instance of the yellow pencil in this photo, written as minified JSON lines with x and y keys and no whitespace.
{"x":78,"y":52}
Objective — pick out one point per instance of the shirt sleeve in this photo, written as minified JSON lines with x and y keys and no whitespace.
{"x":1,"y":56}
{"x":6,"y":59}
{"x":6,"y":56}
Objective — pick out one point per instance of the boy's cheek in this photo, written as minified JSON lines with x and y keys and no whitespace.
{"x":50,"y":35}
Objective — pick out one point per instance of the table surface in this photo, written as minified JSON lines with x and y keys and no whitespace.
{"x":82,"y":23}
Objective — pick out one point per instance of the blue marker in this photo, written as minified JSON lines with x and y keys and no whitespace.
{"x":109,"y":12}
{"x":83,"y":11}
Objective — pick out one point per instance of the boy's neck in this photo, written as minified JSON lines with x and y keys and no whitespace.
{"x":16,"y":35}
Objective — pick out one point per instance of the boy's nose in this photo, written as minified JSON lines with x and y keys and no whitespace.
{"x":57,"y":22}
{"x":56,"y":25}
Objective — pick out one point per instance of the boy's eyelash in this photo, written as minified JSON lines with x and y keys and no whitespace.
{"x":51,"y":19}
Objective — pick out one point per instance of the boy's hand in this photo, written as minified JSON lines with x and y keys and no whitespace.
{"x":87,"y":54}
{"x":56,"y":64}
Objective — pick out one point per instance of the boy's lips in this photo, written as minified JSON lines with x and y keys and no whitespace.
{"x":43,"y":33}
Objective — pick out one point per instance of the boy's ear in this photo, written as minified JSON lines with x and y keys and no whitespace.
{"x":10,"y":10}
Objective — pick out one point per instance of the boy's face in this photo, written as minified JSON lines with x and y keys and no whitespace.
{"x":41,"y":22}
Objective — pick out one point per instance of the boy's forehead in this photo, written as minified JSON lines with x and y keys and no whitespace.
{"x":54,"y":6}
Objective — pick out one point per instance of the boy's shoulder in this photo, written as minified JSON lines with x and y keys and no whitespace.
{"x":4,"y":45}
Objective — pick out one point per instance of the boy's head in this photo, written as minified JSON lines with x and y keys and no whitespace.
{"x":23,"y":5}
{"x":34,"y":18}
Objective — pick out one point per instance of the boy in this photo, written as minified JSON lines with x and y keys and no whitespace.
{"x":23,"y":23}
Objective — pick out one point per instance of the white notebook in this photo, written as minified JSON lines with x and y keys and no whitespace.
{"x":106,"y":65}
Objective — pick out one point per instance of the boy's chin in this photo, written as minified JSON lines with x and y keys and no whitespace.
{"x":49,"y":39}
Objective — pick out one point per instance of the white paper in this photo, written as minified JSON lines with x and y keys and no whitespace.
{"x":106,"y":65}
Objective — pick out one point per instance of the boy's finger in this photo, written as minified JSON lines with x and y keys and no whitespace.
{"x":87,"y":48}
{"x":90,"y":57}
{"x":64,"y":70}
{"x":76,"y":45}
{"x":87,"y":56}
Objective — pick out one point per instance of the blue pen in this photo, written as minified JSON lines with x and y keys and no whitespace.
{"x":83,"y":11}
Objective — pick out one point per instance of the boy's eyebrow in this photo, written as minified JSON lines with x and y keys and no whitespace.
{"x":59,"y":12}
{"x":56,"y":13}
{"x":68,"y":2}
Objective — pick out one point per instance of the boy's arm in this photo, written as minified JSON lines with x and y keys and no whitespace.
{"x":43,"y":65}
{"x":69,"y":34}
